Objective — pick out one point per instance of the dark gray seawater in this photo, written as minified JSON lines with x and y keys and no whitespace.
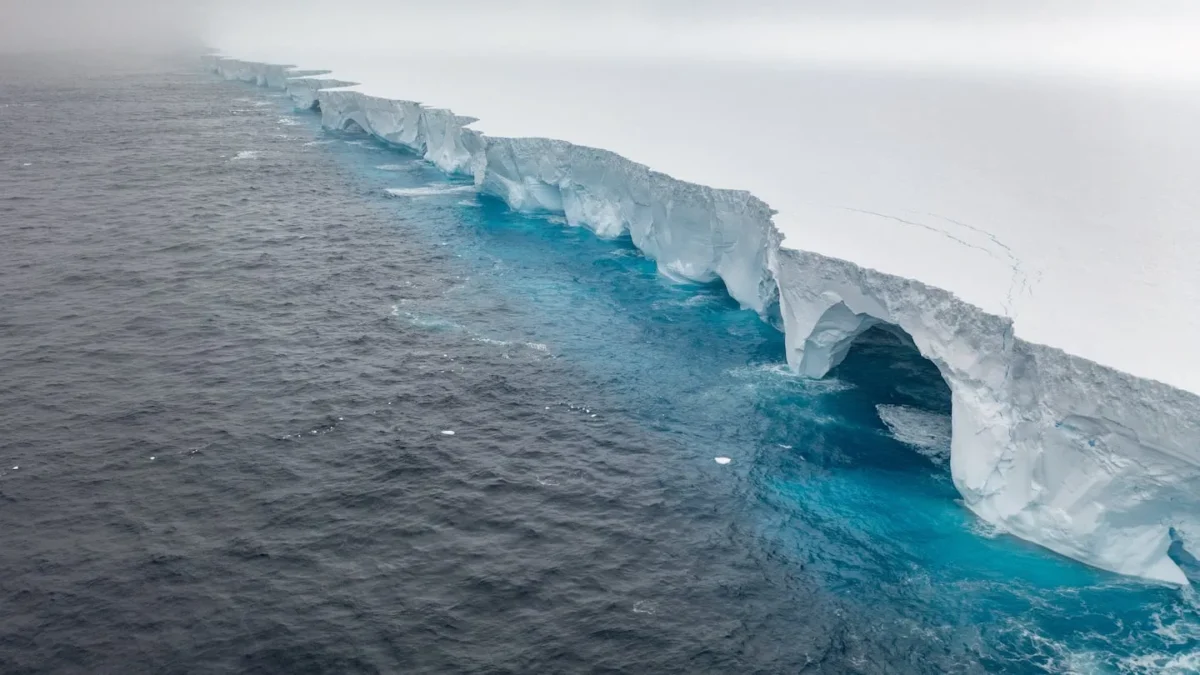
{"x":230,"y":359}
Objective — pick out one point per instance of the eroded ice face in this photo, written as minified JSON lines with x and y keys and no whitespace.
{"x":1081,"y":458}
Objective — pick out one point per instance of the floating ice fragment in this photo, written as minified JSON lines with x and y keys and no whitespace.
{"x":151,"y":458}
{"x":447,"y":432}
{"x":926,"y":432}
{"x":722,"y":460}
{"x":16,"y":467}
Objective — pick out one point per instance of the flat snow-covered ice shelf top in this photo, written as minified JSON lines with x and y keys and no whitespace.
{"x":1071,"y":207}
{"x":1037,"y":240}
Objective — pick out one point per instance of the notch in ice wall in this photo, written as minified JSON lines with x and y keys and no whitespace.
{"x":1085,"y":460}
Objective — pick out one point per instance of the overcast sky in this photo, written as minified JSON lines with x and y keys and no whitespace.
{"x":1124,"y":37}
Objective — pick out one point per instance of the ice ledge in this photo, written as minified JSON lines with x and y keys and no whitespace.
{"x":1080,"y":458}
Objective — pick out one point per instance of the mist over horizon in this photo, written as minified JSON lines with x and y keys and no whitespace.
{"x":103,"y":25}
{"x":1152,"y":40}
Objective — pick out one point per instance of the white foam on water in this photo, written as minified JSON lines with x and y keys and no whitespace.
{"x":323,"y":142}
{"x":246,"y":154}
{"x":535,"y":346}
{"x":1177,"y":629}
{"x":432,"y":322}
{"x":927,"y":432}
{"x":690,"y":301}
{"x":289,"y":122}
{"x":982,"y":528}
{"x":779,"y":374}
{"x":392,"y":167}
{"x":1161,"y":664}
{"x":430,"y":190}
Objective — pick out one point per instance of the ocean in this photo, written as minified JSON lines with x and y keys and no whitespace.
{"x":275,"y":399}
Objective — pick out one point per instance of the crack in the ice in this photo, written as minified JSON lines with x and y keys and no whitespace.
{"x":1019,"y":282}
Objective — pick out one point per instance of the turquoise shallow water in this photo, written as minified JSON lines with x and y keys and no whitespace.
{"x":213,"y":281}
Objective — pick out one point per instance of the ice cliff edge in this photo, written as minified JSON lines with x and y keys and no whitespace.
{"x":1088,"y":461}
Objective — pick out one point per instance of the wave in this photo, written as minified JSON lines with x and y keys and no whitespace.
{"x":430,"y":190}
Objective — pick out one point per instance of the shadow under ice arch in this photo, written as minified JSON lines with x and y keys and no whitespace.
{"x":1088,"y":461}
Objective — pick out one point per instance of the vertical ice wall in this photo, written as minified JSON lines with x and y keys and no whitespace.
{"x":1085,"y":460}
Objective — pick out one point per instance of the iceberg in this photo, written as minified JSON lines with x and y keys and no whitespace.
{"x":1087,"y":460}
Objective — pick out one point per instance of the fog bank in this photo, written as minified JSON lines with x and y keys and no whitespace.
{"x":113,"y":25}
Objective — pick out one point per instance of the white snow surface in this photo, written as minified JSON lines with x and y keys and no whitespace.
{"x":987,"y":218}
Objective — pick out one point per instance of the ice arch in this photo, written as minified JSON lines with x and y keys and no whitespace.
{"x":1041,"y":445}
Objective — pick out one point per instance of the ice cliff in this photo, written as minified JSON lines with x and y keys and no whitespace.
{"x":1088,"y":461}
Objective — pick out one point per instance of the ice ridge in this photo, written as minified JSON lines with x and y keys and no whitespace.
{"x":1085,"y":460}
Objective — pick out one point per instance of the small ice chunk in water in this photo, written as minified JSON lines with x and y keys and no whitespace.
{"x":447,"y":432}
{"x":16,"y":467}
{"x":722,"y":460}
{"x":151,"y":458}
